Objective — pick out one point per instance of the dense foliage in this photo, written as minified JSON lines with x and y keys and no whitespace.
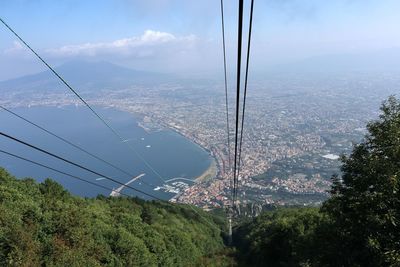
{"x":358,"y":226}
{"x":365,"y":201}
{"x":284,"y":237}
{"x":42,"y":224}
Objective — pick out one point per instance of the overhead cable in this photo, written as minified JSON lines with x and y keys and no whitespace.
{"x":74,"y":164}
{"x":238,"y":72}
{"x":226,"y":85}
{"x":70,"y":143}
{"x":245,"y":86}
{"x":83,"y":100}
{"x":58,"y":171}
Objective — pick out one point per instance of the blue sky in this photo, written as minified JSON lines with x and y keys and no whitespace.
{"x":184,"y":35}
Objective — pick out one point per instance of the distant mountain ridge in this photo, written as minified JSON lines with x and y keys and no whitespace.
{"x":85,"y":75}
{"x":385,"y":60}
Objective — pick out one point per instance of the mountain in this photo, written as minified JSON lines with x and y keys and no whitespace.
{"x":85,"y":75}
{"x":385,"y":60}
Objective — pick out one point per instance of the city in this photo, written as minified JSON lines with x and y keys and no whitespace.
{"x":293,"y":136}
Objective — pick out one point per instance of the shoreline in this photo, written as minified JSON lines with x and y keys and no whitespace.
{"x":213,"y":169}
{"x":209,"y":174}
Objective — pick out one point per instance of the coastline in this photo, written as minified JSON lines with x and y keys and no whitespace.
{"x":208,"y":174}
{"x":213,"y":169}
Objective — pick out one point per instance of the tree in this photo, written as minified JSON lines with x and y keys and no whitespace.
{"x":43,"y":224}
{"x":284,"y":237}
{"x":365,"y":202}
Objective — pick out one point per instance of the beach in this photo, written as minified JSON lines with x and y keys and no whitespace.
{"x":209,"y":174}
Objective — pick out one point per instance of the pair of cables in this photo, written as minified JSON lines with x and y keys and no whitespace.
{"x":238,"y":140}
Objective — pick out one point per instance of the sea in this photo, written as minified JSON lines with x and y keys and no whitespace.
{"x":166,"y":161}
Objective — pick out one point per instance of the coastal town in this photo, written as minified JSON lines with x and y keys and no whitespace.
{"x":292,"y":139}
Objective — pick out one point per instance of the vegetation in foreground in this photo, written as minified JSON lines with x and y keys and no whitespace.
{"x":42,"y":224}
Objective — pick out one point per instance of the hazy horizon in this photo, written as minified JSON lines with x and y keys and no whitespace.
{"x":185,"y":37}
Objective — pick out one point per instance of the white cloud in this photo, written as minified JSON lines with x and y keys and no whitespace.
{"x":151,"y":50}
{"x":16,"y":48}
{"x":146,"y":45}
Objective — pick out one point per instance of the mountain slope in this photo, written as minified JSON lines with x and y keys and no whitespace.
{"x":85,"y":75}
{"x":386,"y":60}
{"x":42,"y":224}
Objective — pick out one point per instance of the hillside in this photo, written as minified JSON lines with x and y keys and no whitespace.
{"x":42,"y":224}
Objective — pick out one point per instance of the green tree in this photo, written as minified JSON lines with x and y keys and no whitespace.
{"x":365,"y":202}
{"x":284,"y":237}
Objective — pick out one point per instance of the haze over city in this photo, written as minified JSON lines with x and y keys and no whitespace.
{"x":184,"y":37}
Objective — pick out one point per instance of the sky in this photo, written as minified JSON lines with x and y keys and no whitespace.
{"x":184,"y":36}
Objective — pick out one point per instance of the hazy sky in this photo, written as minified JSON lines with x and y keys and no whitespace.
{"x":185,"y":35}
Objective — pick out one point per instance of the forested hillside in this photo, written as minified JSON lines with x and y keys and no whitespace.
{"x":43,"y":224}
